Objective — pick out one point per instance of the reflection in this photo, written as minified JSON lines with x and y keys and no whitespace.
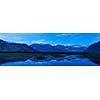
{"x":41,"y":58}
{"x":65,"y":59}
{"x":95,"y":58}
{"x":96,"y":61}
{"x":56,"y":57}
{"x":4,"y":58}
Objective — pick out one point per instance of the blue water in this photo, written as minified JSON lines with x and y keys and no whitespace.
{"x":68,"y":60}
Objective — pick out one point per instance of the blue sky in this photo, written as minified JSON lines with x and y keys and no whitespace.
{"x":52,"y":38}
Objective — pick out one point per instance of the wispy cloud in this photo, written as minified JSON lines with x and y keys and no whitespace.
{"x":42,"y":41}
{"x":65,"y":34}
{"x":12,"y":38}
{"x":17,"y":38}
{"x":39,"y":41}
{"x":2,"y":37}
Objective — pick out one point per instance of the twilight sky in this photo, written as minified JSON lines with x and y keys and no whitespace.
{"x":52,"y":38}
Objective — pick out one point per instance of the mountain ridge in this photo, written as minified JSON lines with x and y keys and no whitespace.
{"x":14,"y":47}
{"x":35,"y":47}
{"x":95,"y":48}
{"x":56,"y":48}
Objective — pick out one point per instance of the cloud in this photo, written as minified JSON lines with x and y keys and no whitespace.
{"x":11,"y":38}
{"x":17,"y":38}
{"x":39,"y":41}
{"x":2,"y":37}
{"x":42,"y":41}
{"x":65,"y":34}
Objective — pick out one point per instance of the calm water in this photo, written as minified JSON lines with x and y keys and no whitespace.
{"x":47,"y":60}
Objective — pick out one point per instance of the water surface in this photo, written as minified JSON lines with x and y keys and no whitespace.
{"x":47,"y":60}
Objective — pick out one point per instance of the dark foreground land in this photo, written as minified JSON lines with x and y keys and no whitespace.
{"x":39,"y":53}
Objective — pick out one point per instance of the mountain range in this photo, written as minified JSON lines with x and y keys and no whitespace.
{"x":14,"y":47}
{"x":18,"y":47}
{"x":57,"y":48}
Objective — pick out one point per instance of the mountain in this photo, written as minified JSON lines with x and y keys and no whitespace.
{"x":17,"y":47}
{"x":95,"y":48}
{"x":57,"y":48}
{"x":76,"y":48}
{"x":61,"y":48}
{"x":47,"y":48}
{"x":14,"y":47}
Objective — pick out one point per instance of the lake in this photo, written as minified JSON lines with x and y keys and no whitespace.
{"x":38,"y":59}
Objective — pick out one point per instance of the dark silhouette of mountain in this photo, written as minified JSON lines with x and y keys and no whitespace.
{"x":14,"y":47}
{"x":57,"y":48}
{"x":93,"y":52}
{"x":94,"y":48}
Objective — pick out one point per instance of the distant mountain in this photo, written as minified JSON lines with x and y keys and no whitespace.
{"x":76,"y":48}
{"x":61,"y":48}
{"x":57,"y":48}
{"x":14,"y":47}
{"x":94,"y":48}
{"x":17,"y":47}
{"x":47,"y":48}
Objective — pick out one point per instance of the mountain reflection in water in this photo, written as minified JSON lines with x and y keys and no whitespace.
{"x":28,"y":59}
